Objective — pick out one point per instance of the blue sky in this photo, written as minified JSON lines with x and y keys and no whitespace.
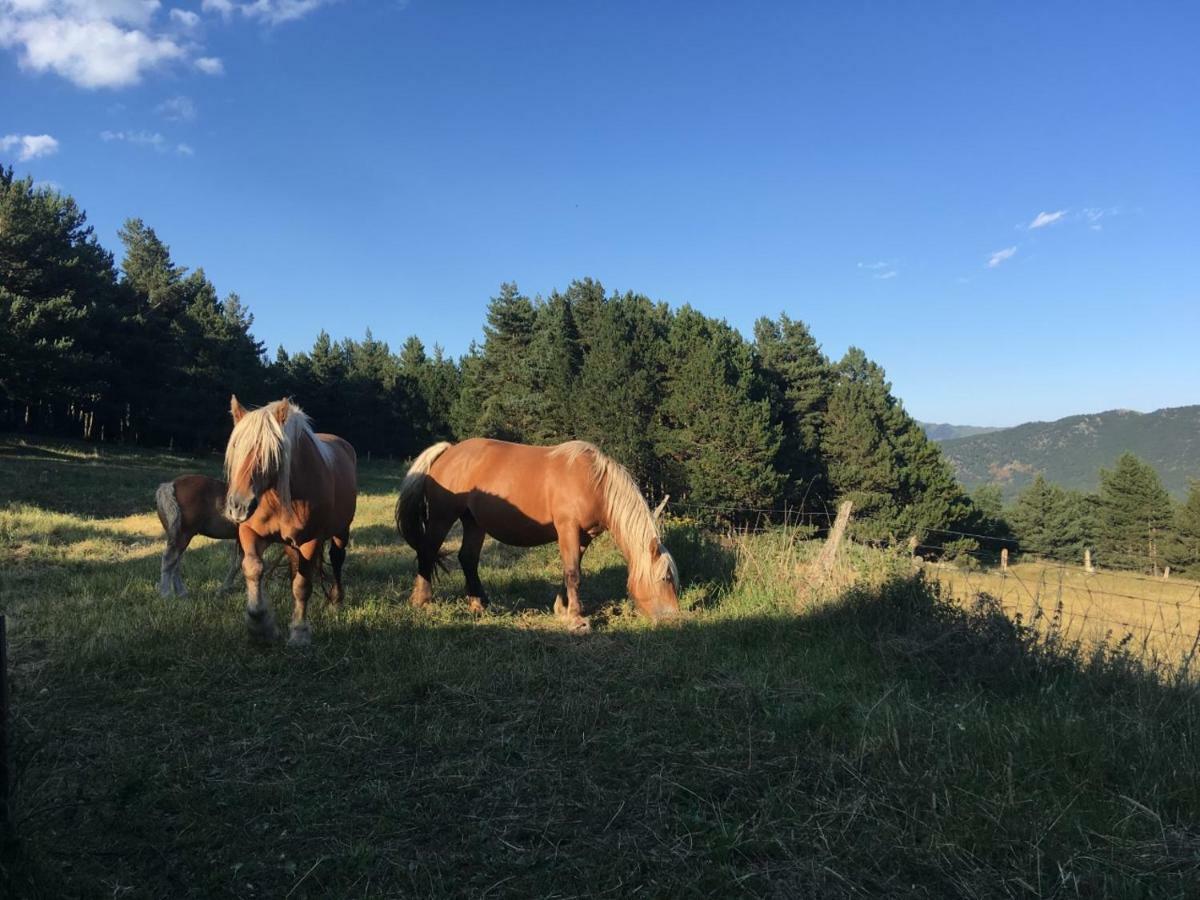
{"x":875,"y":169}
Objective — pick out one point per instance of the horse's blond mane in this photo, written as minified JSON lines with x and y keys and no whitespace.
{"x":260,"y":437}
{"x":627,"y":513}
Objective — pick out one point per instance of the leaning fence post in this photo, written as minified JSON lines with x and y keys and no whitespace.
{"x":829,"y":552}
{"x":1003,"y":559}
{"x":1087,"y":560}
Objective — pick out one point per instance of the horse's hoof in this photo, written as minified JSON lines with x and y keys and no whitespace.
{"x":262,"y":628}
{"x":301,"y":636}
{"x":476,"y":606}
{"x":419,"y":602}
{"x":579,"y":625}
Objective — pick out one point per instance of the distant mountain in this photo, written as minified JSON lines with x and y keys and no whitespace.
{"x":1071,"y":451}
{"x":939,"y":432}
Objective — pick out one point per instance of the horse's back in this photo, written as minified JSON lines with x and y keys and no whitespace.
{"x":519,"y":483}
{"x":200,"y":499}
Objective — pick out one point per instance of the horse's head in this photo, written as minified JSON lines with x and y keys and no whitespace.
{"x":656,"y":593}
{"x":257,"y":452}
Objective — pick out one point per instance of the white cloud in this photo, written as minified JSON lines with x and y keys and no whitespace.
{"x":115,"y":43}
{"x":96,"y":44}
{"x":874,"y":265}
{"x":141,"y":138}
{"x":184,"y":150}
{"x":31,"y":145}
{"x":185,"y":18}
{"x":276,"y":11}
{"x":1042,"y":219}
{"x":177,"y":109}
{"x":1000,"y":256}
{"x":210,"y":65}
{"x":883,"y":276}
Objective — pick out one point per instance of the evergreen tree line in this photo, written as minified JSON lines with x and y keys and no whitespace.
{"x":1130,"y":523}
{"x":147,"y":352}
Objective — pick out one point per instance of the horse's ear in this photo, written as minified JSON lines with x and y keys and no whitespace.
{"x":658,"y":510}
{"x":236,"y":409}
{"x":655,"y":549}
{"x":282,"y":410}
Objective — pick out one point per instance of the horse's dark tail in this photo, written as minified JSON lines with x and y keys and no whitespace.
{"x":412,"y":507}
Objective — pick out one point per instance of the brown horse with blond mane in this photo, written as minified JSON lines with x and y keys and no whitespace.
{"x":527,"y":496}
{"x":288,"y":484}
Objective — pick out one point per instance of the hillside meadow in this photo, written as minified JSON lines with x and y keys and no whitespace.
{"x":868,"y":736}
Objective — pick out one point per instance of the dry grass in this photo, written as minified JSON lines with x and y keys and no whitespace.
{"x":1160,"y":618}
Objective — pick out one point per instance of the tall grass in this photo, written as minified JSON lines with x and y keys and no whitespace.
{"x":864,"y":735}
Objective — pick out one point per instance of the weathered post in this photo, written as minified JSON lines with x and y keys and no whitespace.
{"x":1003,"y":559}
{"x":1087,"y":560}
{"x":829,"y":552}
{"x":1167,"y":573}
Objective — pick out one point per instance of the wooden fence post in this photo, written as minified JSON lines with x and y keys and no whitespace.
{"x":1003,"y":559}
{"x":829,"y":552}
{"x":1167,"y":573}
{"x":1087,"y":560}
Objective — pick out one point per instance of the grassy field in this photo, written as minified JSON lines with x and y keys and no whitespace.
{"x":1159,"y":619}
{"x":863,"y":738}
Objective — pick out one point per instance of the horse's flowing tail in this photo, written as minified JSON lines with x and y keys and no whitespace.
{"x":168,"y":510}
{"x":412,"y":509}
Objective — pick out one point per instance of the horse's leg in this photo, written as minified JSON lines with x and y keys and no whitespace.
{"x":337,"y":557}
{"x":171,"y":581}
{"x":427,"y":561}
{"x":259,"y":620}
{"x":235,"y":566}
{"x":468,"y":558}
{"x":304,"y":564}
{"x":571,"y":549}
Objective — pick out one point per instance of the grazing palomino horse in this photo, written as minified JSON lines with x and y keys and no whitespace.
{"x":527,"y":496}
{"x":288,"y":484}
{"x":188,"y":506}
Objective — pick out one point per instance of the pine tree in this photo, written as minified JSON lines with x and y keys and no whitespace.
{"x":509,"y":403}
{"x":1052,"y":523}
{"x":1183,"y":549}
{"x":798,"y":379}
{"x":1135,"y":515}
{"x":621,"y":385}
{"x":554,"y":361}
{"x":718,"y":432}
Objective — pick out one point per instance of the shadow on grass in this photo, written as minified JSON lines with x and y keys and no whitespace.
{"x":768,"y":753}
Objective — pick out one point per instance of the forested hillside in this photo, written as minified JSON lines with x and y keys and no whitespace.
{"x":940,"y":431}
{"x":1070,"y":452}
{"x":145,"y":351}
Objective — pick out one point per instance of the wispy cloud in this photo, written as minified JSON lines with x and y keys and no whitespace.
{"x":1042,"y":219}
{"x":1000,"y":256}
{"x":177,"y":109}
{"x":210,"y":65}
{"x":184,"y":150}
{"x":881,"y":270}
{"x":276,"y":12}
{"x":221,"y":7}
{"x":185,"y":18}
{"x":140,"y":138}
{"x":29,"y":146}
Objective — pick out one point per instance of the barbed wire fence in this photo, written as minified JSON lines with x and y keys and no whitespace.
{"x":1093,"y":600}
